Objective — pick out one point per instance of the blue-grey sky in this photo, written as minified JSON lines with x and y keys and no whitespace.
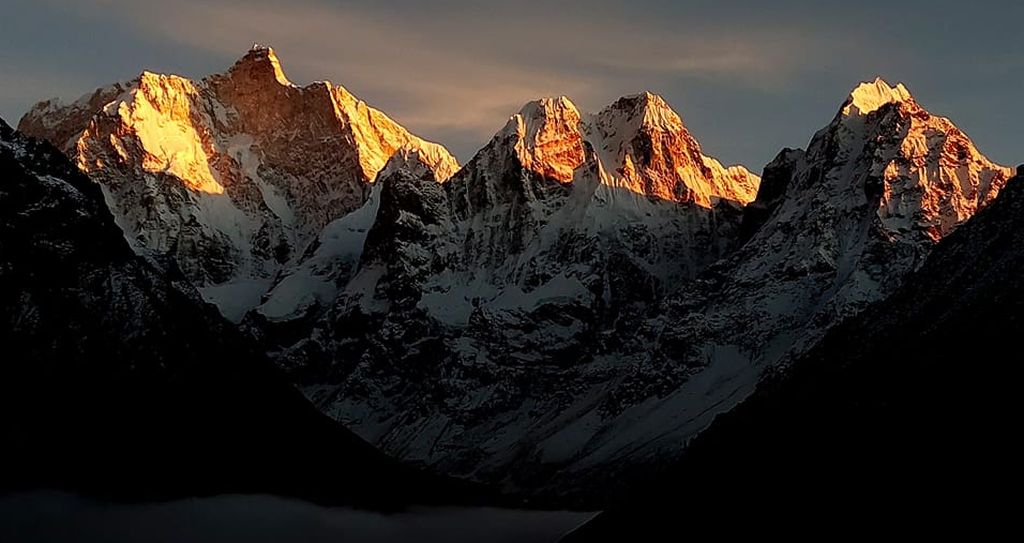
{"x":748,"y":77}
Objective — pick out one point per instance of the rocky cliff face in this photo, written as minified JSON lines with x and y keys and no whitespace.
{"x":644,"y":147}
{"x":231,"y":177}
{"x":304,"y":291}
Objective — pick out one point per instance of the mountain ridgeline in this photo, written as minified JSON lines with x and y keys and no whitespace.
{"x":558,"y":315}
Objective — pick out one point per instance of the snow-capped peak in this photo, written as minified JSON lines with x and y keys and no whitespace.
{"x":932,"y":177}
{"x":643,"y":143}
{"x":421,"y":159}
{"x":261,"y":63}
{"x":548,"y":139}
{"x":548,"y":107}
{"x":646,"y":109}
{"x":870,"y":96}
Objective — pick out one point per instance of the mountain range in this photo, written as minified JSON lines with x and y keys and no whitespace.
{"x":557,"y":318}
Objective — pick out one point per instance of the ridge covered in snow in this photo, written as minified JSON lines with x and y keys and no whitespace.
{"x":229,"y":178}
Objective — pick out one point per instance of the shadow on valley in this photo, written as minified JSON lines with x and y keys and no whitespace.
{"x":46,"y":517}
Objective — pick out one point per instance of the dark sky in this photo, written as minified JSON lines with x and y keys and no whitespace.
{"x":748,"y":77}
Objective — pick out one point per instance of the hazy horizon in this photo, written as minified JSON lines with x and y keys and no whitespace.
{"x":748,"y":79}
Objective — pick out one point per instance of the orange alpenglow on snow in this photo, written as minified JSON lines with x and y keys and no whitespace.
{"x":194,"y":130}
{"x":937,"y":170}
{"x":640,"y":143}
{"x":243,"y":165}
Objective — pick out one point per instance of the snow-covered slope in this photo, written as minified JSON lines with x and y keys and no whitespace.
{"x":499,"y":326}
{"x":230,"y":177}
{"x":527,"y":265}
{"x":306,"y":288}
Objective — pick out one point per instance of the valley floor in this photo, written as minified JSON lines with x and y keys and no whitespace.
{"x":41,"y":517}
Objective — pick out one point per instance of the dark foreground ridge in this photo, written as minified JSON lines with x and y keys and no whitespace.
{"x":117,"y":381}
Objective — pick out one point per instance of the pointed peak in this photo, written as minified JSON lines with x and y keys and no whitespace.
{"x":870,"y":96}
{"x":644,"y":100}
{"x":260,"y":63}
{"x":421,"y":159}
{"x":544,"y":115}
{"x":407,"y":159}
{"x":147,"y":77}
{"x":647,"y":99}
{"x":545,"y":136}
{"x":643,"y":109}
{"x":547,"y":107}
